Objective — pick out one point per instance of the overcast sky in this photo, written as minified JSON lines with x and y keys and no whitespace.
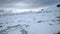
{"x":27,"y":3}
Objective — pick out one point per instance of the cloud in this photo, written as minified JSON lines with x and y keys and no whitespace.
{"x":27,"y":3}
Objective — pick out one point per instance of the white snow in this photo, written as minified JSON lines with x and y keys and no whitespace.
{"x":45,"y":26}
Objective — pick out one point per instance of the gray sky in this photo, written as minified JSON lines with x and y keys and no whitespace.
{"x":27,"y":3}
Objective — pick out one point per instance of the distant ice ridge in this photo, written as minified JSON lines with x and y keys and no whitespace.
{"x":10,"y":12}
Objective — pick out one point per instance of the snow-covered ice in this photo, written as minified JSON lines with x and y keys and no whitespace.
{"x":43,"y":22}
